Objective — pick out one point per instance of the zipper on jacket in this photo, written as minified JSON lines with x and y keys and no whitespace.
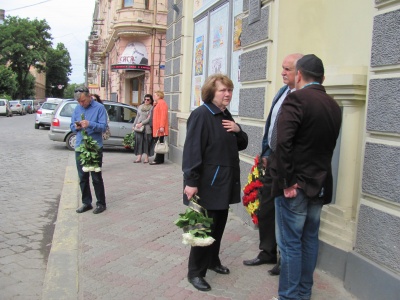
{"x":215,"y":176}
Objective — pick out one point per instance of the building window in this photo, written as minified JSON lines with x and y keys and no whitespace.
{"x":128,"y":3}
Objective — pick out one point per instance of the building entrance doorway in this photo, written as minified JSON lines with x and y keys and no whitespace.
{"x":136,"y":90}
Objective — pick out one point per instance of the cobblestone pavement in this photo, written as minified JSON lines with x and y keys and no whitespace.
{"x":32,"y":172}
{"x":134,"y":251}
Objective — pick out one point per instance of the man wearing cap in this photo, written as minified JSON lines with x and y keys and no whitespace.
{"x":266,"y":214}
{"x":307,"y":129}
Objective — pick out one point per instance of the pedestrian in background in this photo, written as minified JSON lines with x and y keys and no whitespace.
{"x":95,"y":123}
{"x":211,"y":170}
{"x":266,"y":211}
{"x":308,"y":127}
{"x":160,"y":123}
{"x":143,"y":130}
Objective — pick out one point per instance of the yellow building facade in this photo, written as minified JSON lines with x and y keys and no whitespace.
{"x":359,"y":43}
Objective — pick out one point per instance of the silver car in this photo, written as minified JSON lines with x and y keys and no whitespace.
{"x":45,"y":114}
{"x":121,"y":118}
{"x":17,"y":107}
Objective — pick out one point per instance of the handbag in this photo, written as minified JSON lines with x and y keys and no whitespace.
{"x":138,"y":129}
{"x":107,"y":133}
{"x":161,"y":148}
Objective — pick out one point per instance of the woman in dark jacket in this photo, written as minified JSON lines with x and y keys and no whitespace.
{"x":211,"y":170}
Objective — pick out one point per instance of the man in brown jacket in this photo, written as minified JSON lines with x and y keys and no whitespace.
{"x":308,"y":126}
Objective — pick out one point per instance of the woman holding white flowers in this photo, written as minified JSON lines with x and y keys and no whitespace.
{"x":211,"y":170}
{"x":89,"y":118}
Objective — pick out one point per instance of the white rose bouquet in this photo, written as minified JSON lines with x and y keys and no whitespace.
{"x":195,"y":224}
{"x":89,"y":157}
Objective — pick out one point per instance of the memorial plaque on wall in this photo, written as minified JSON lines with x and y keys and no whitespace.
{"x":254,"y":11}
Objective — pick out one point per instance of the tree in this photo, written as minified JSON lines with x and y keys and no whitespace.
{"x":69,"y":91}
{"x":24,"y":43}
{"x":58,"y":65}
{"x":8,"y":82}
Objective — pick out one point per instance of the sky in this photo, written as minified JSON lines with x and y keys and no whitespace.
{"x":70,"y":22}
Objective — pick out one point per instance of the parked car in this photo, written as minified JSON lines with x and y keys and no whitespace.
{"x":5,"y":109}
{"x":17,"y":107}
{"x":45,"y":114}
{"x":29,"y":107}
{"x":121,"y":118}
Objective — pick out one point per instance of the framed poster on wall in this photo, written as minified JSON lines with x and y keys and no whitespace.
{"x":218,"y":40}
{"x":199,"y":62}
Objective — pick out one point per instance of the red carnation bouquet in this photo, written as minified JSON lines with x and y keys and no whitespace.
{"x":251,"y":197}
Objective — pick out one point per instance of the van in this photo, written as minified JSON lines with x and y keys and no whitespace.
{"x":54,"y":100}
{"x":5,"y":109}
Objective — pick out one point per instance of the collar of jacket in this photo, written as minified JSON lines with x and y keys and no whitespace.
{"x":213,"y":108}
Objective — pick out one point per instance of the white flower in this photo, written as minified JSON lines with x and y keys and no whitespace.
{"x":189,"y":239}
{"x":85,"y":169}
{"x":91,"y":168}
{"x":98,"y":169}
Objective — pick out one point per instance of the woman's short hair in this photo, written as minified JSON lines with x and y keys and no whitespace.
{"x":149,"y":96}
{"x":209,"y":87}
{"x":160,"y":94}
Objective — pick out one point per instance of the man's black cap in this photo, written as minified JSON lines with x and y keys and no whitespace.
{"x":311,"y":65}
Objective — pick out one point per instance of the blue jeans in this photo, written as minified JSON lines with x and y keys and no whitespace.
{"x":297,"y":226}
{"x":97,"y":180}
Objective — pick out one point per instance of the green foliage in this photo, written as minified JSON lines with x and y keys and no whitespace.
{"x":24,"y":43}
{"x":89,"y":149}
{"x":198,"y":224}
{"x":8,"y":81}
{"x":59,"y":67}
{"x":69,"y":90}
{"x":194,"y":221}
{"x":129,"y":140}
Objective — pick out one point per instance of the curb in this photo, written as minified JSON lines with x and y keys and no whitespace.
{"x":61,"y":279}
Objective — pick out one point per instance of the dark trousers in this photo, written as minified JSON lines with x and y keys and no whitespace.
{"x":159,"y":157}
{"x":202,"y":258}
{"x":97,"y":180}
{"x":266,"y":221}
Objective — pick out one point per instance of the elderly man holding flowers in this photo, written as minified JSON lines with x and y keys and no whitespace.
{"x":89,"y":121}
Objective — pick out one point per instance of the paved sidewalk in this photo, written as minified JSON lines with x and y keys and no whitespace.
{"x":134,"y":251}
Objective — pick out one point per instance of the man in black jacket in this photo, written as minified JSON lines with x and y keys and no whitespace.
{"x":266,"y":213}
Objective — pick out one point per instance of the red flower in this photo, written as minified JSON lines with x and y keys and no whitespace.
{"x":255,"y":219}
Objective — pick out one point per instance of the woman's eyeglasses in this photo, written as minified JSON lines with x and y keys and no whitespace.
{"x":146,"y":99}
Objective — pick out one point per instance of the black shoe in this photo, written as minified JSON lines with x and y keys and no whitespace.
{"x":99,"y":209}
{"x":257,"y":261}
{"x":155,"y":163}
{"x":220,"y":269}
{"x":200,"y":283}
{"x":83,"y":208}
{"x":275,"y":271}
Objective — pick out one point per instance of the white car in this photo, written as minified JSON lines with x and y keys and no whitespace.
{"x":17,"y":107}
{"x":5,"y":109}
{"x":45,"y":114}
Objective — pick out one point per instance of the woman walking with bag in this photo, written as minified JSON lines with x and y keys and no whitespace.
{"x":143,"y":131}
{"x":160,"y":123}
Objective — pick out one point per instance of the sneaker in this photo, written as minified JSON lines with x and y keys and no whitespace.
{"x":99,"y":209}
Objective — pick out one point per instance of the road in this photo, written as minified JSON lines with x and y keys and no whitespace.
{"x":32,"y":172}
